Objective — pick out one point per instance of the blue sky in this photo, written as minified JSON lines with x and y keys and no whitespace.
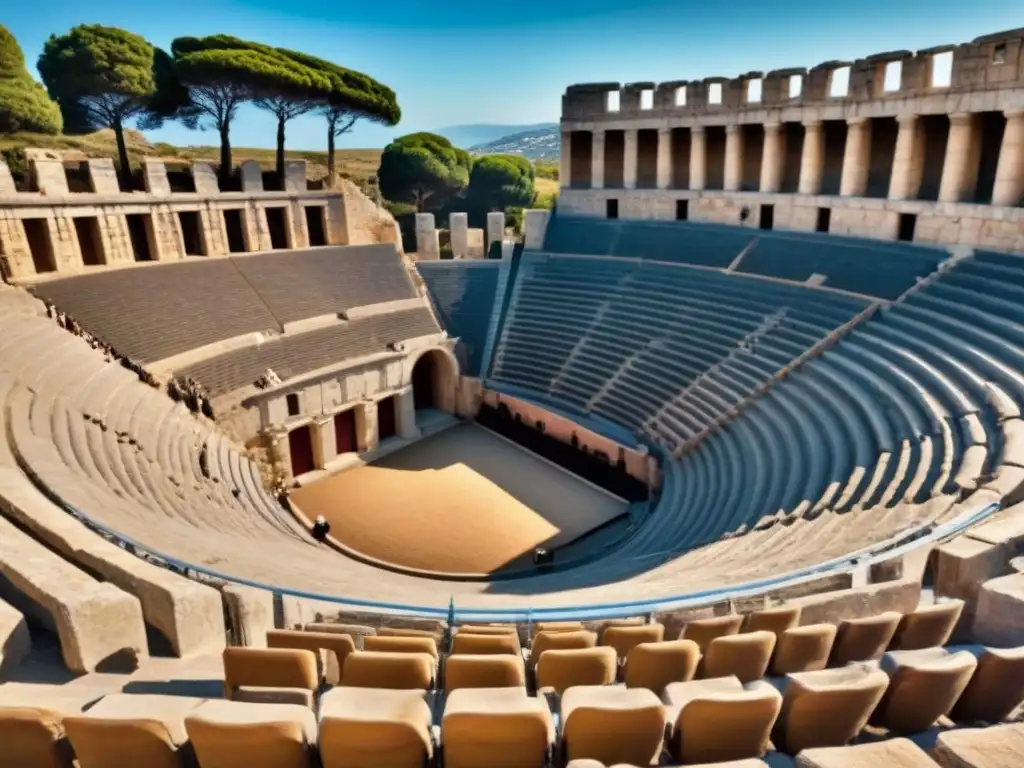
{"x":470,"y":61}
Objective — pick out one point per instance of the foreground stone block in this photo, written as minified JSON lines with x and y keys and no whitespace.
{"x":895,"y":753}
{"x":15,"y":642}
{"x":996,"y":747}
{"x":999,"y":617}
{"x":832,"y":607}
{"x":250,"y":614}
{"x":98,"y":625}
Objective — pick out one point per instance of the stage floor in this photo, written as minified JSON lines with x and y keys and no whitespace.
{"x":462,"y":501}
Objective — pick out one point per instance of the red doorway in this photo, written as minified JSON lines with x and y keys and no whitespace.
{"x":300,"y":443}
{"x":423,"y":382}
{"x":345,"y":432}
{"x":386,"y":421}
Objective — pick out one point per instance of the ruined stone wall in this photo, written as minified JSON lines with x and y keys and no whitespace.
{"x":63,"y":228}
{"x":926,"y":146}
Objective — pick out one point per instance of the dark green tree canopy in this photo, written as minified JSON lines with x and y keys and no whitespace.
{"x":420,"y":167}
{"x":500,"y":181}
{"x":24,"y":105}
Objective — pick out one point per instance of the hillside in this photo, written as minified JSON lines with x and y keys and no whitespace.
{"x":539,"y":143}
{"x":468,"y":136}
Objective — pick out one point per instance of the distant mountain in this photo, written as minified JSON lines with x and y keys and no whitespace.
{"x":467,"y":136}
{"x":541,"y":142}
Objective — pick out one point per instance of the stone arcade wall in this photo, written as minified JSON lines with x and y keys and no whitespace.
{"x":52,"y":229}
{"x":926,"y":146}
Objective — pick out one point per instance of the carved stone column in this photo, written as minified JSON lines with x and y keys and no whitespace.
{"x":597,"y":161}
{"x":629,"y":160}
{"x":856,"y":158}
{"x":773,"y":155}
{"x":907,"y":165}
{"x":812,"y":158}
{"x":733,"y":157}
{"x":1009,"y":185}
{"x":698,"y":158}
{"x":664,"y":158}
{"x":958,"y":176}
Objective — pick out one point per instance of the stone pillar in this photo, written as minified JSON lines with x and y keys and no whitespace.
{"x":324,"y":442}
{"x":252,"y":176}
{"x":295,"y":176}
{"x":812,"y":159}
{"x":597,"y":161}
{"x":407,"y":415}
{"x":907,"y":164}
{"x":629,"y":159}
{"x":856,"y":157}
{"x":367,"y":427}
{"x":427,"y":245}
{"x":535,"y":227}
{"x":154,"y":177}
{"x":733,"y":158}
{"x":1009,"y":185}
{"x":205,"y":179}
{"x":957,"y":176}
{"x":14,"y":249}
{"x":458,"y":232}
{"x":698,"y":158}
{"x":213,"y":232}
{"x":255,"y":229}
{"x":495,"y":229}
{"x":337,"y":223}
{"x":48,"y":176}
{"x":508,"y":247}
{"x":772,"y":156}
{"x":565,"y":161}
{"x":67,"y":252}
{"x":664,"y":158}
{"x":102,"y":176}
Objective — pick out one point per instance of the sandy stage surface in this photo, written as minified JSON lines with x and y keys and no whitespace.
{"x":461,"y":501}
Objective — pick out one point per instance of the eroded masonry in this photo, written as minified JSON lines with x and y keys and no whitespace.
{"x":925,"y":146}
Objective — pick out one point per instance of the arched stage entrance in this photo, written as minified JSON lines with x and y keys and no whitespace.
{"x":434,"y":378}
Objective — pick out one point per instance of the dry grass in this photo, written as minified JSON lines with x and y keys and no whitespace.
{"x":546,"y":186}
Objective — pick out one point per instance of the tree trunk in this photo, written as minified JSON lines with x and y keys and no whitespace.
{"x":125,"y":169}
{"x":280,"y":149}
{"x":330,"y":153}
{"x":225,"y":155}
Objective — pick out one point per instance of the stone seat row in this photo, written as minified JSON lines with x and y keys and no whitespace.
{"x":157,"y":311}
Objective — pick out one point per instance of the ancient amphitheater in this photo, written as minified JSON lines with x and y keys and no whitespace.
{"x":733,"y":440}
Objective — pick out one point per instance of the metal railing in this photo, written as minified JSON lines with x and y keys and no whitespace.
{"x":876,"y":553}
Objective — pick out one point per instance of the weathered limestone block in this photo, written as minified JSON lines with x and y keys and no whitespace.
{"x":67,"y":252}
{"x":337,"y":222}
{"x":103,"y":176}
{"x":475,"y":243}
{"x":256,"y":229}
{"x":48,"y":176}
{"x":114,"y":236}
{"x":458,"y":226}
{"x":294,"y":176}
{"x":252,"y":176}
{"x":95,"y":621}
{"x":508,"y":247}
{"x":858,"y":602}
{"x":894,"y":753}
{"x":961,"y":567}
{"x":213,"y":232}
{"x":14,"y":249}
{"x":295,"y":217}
{"x":167,"y":238}
{"x":250,"y":614}
{"x":994,"y":747}
{"x":7,"y":186}
{"x":428,"y":245}
{"x":495,"y":229}
{"x":154,"y":176}
{"x":15,"y":642}
{"x":205,"y":179}
{"x":535,"y":226}
{"x":999,"y":617}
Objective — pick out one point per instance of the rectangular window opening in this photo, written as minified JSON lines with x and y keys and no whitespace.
{"x":37,"y":233}
{"x":191,"y":232}
{"x":293,"y":404}
{"x":942,"y":69}
{"x":824,"y":219}
{"x":999,"y":54}
{"x":681,"y":96}
{"x":795,"y":86}
{"x":893,"y":77}
{"x":139,"y":227}
{"x":611,"y":209}
{"x":315,"y":225}
{"x":682,"y":210}
{"x":235,"y":230}
{"x":89,"y":240}
{"x":715,"y":93}
{"x":647,"y":98}
{"x":767,"y":219}
{"x":277,"y":225}
{"x":754,"y":91}
{"x":613,"y":101}
{"x":908,"y":223}
{"x":839,"y":83}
